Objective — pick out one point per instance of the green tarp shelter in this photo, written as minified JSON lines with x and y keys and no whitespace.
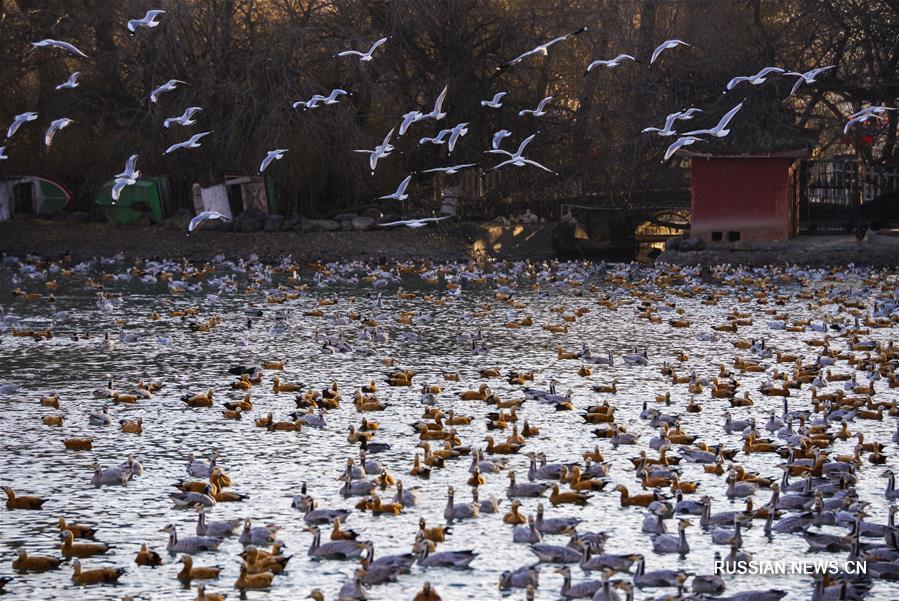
{"x":149,"y":196}
{"x":31,"y":195}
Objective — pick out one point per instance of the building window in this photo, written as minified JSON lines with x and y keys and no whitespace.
{"x":733,"y":236}
{"x":716,"y":236}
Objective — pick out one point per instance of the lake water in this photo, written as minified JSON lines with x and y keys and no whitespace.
{"x":270,"y":466}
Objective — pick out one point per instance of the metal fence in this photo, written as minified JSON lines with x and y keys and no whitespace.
{"x":833,"y":193}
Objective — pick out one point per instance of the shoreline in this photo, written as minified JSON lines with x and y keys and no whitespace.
{"x":452,"y":242}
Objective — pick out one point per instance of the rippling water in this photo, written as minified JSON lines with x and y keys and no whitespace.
{"x":269,"y":466}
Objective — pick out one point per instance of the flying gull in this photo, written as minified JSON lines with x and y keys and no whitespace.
{"x":808,"y":77}
{"x":17,"y":122}
{"x":680,"y":143}
{"x":55,"y":126}
{"x":149,"y":20}
{"x":272,"y":155}
{"x":452,"y":170}
{"x":363,"y":56}
{"x":666,"y":45}
{"x":495,"y":103}
{"x":498,"y":138}
{"x":719,"y":130}
{"x":758,"y":78}
{"x":186,"y":119}
{"x":414,"y":223}
{"x":168,"y":86}
{"x":610,"y":63}
{"x":400,"y":193}
{"x":48,"y":43}
{"x":538,"y":112}
{"x":202,"y":217}
{"x":542,"y":49}
{"x":193,"y":142}
{"x":71,"y":83}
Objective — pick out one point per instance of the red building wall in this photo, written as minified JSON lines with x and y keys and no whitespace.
{"x":748,"y":196}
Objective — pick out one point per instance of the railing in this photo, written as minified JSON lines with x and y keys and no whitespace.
{"x":832,"y":193}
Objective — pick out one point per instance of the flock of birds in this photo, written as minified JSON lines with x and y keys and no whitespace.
{"x":449,"y":136}
{"x":804,"y":398}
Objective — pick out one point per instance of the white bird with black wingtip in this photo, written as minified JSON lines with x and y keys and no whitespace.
{"x":272,"y":155}
{"x":148,"y":20}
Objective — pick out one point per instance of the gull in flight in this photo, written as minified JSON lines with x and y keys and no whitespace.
{"x":437,"y":114}
{"x":455,"y":133}
{"x":408,"y":119}
{"x":149,"y":20}
{"x":186,"y":119}
{"x":414,"y":223}
{"x":611,"y":63}
{"x":438,"y":139}
{"x":498,"y":138}
{"x":168,"y":86}
{"x":128,"y":177}
{"x":666,"y":45}
{"x":272,"y":155}
{"x":680,"y":143}
{"x":758,"y":78}
{"x":400,"y":193}
{"x":71,"y":83}
{"x":542,"y":49}
{"x":332,"y":97}
{"x":308,"y":104}
{"x":719,"y":130}
{"x":55,"y":126}
{"x":363,"y":56}
{"x":193,"y":142}
{"x":521,"y":147}
{"x":452,"y":170}
{"x":381,"y":151}
{"x":808,"y":77}
{"x":58,"y":44}
{"x":666,"y":130}
{"x":669,"y":122}
{"x":865,"y":114}
{"x":202,"y":217}
{"x":496,"y":102}
{"x":538,"y":112}
{"x":516,"y":158}
{"x":18,"y":121}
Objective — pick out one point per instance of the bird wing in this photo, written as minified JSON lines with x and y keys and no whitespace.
{"x":669,"y":121}
{"x":622,"y":57}
{"x":387,"y":138}
{"x":498,"y":96}
{"x":408,"y":119}
{"x":595,"y":64}
{"x":769,"y":70}
{"x":197,"y":220}
{"x":797,"y":85}
{"x":659,"y":49}
{"x":543,"y":103}
{"x":70,"y":48}
{"x":375,"y":46}
{"x":202,"y":134}
{"x":524,"y":144}
{"x":438,"y":104}
{"x":131,"y":163}
{"x":403,"y":185}
{"x":562,"y":38}
{"x":503,"y":164}
{"x":521,"y":57}
{"x":350,"y":53}
{"x":117,"y":188}
{"x":536,"y":164}
{"x":51,"y":131}
{"x":175,"y":147}
{"x":733,"y":82}
{"x":727,"y":117}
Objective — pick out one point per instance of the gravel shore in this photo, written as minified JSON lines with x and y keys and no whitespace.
{"x":85,"y":240}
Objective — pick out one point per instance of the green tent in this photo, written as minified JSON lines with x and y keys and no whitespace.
{"x":148,"y":196}
{"x":31,"y":195}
